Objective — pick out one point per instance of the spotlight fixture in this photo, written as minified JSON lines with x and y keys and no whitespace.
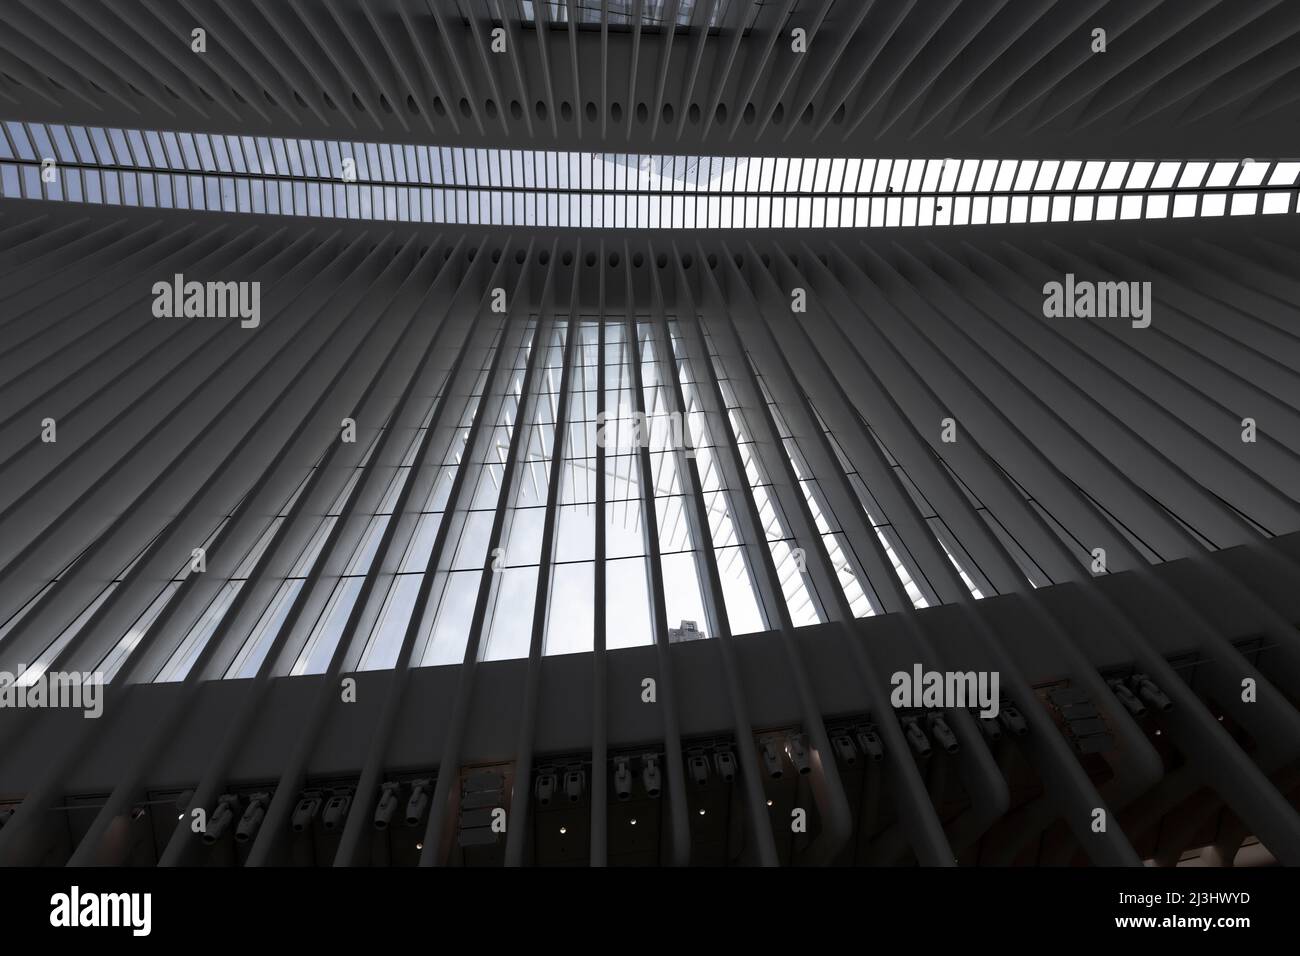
{"x":305,"y":811}
{"x":990,"y":727}
{"x":650,"y":776}
{"x":387,"y":805}
{"x":798,"y":754}
{"x":622,"y":779}
{"x":418,"y":803}
{"x":772,"y":761}
{"x":726,"y":766}
{"x":1150,"y":694}
{"x":252,"y":818}
{"x":845,"y":750}
{"x":575,"y":782}
{"x":870,"y":742}
{"x":916,"y":737}
{"x":545,"y":789}
{"x":1127,"y":698}
{"x":220,"y":818}
{"x":943,"y":734}
{"x":1013,"y":719}
{"x":699,"y":767}
{"x":336,"y":810}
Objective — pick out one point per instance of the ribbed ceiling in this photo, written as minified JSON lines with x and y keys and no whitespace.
{"x":915,"y":78}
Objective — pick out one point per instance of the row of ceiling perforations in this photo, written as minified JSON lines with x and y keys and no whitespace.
{"x":935,"y":74}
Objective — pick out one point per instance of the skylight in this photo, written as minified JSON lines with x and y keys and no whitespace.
{"x":555,"y":459}
{"x":510,"y":187}
{"x":652,"y":14}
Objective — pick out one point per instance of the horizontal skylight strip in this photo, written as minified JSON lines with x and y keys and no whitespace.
{"x":650,"y":192}
{"x":649,"y":174}
{"x":460,"y":185}
{"x":442,"y":205}
{"x":622,"y":13}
